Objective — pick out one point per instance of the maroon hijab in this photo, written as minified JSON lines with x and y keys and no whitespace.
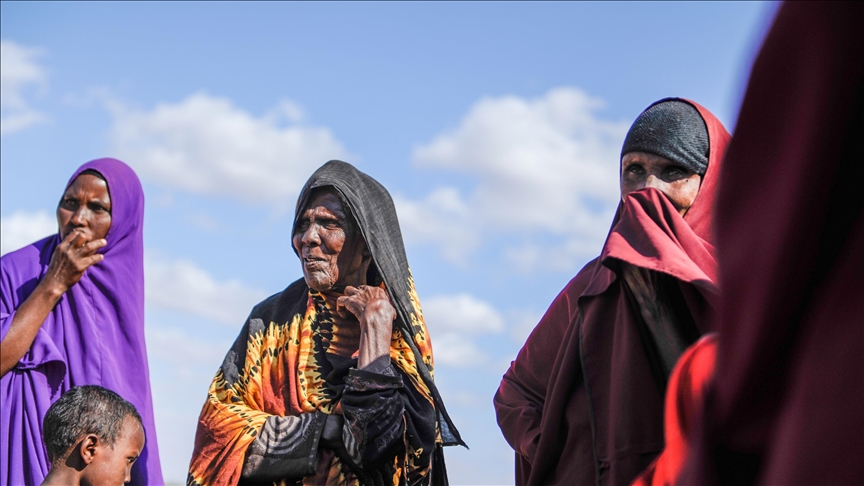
{"x":581,"y":404}
{"x":787,"y":404}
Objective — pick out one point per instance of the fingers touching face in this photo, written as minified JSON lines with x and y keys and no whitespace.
{"x":86,"y":208}
{"x":641,"y":169}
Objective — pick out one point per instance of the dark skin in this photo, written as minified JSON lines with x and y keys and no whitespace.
{"x":84,"y":218}
{"x":641,"y":169}
{"x":334,"y":258}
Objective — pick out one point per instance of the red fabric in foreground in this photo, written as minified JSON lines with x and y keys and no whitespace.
{"x":787,"y":404}
{"x":580,"y":405}
{"x":684,"y":396}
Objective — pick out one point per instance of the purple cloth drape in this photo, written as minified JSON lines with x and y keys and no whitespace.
{"x":93,"y":336}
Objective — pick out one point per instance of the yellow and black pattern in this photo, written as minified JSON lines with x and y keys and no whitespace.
{"x":283,"y":373}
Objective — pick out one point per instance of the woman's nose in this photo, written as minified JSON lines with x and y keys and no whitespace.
{"x":79,"y":217}
{"x":655,"y":182}
{"x":311,"y":236}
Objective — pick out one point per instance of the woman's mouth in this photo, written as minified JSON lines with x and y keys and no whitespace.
{"x":313,"y":262}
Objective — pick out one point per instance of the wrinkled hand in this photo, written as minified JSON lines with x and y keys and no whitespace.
{"x":376,"y":313}
{"x":72,"y":257}
{"x":371,"y":306}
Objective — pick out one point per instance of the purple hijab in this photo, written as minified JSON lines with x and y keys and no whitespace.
{"x":93,"y":336}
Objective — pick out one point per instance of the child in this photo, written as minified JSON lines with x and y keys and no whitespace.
{"x":93,"y":437}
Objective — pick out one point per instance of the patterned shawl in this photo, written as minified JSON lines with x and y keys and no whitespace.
{"x":278,"y":365}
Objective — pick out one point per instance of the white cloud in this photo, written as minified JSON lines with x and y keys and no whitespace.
{"x":522,"y":323}
{"x":181,"y":285}
{"x":22,"y":228}
{"x":206,"y":145}
{"x":463,"y":313}
{"x":454,"y":322}
{"x":546,"y":165}
{"x":202,"y":221}
{"x":456,"y":350}
{"x":182,"y":365}
{"x":179,"y":348}
{"x":439,"y":219}
{"x":19,"y":72}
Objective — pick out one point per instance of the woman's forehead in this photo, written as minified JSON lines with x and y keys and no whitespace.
{"x":87,"y":182}
{"x":645,"y":158}
{"x":325,"y":198}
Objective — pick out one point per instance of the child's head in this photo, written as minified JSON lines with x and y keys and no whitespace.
{"x":96,"y":433}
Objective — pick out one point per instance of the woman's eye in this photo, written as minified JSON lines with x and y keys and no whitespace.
{"x":676,"y":171}
{"x":635,"y":169}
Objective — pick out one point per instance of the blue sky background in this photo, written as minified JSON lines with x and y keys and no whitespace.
{"x":496,"y":127}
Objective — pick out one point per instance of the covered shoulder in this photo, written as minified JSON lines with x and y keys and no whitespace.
{"x":26,"y":260}
{"x":20,"y":270}
{"x":579,"y":284}
{"x":563,"y":309}
{"x":278,"y":308}
{"x":533,"y":366}
{"x":282,"y":306}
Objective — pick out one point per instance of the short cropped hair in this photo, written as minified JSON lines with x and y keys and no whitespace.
{"x":83,"y":410}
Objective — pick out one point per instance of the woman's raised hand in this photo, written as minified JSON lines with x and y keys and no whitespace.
{"x":75,"y":254}
{"x":376,"y":313}
{"x":72,"y":257}
{"x":369,"y":304}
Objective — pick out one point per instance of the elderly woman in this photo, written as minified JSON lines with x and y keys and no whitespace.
{"x":583,"y":401}
{"x":330,"y":380}
{"x":72,"y":313}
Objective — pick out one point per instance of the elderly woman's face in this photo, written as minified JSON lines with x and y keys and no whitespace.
{"x":330,"y":254}
{"x":641,"y":169}
{"x":85,"y":207}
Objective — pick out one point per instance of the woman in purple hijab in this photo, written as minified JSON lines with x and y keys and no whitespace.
{"x":72,"y":313}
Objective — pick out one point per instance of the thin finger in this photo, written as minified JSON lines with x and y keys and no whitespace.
{"x":95,"y":244}
{"x":70,"y":238}
{"x":93,"y":259}
{"x":80,"y":240}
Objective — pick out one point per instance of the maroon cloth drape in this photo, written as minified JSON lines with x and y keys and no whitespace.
{"x":580,"y":403}
{"x":787,"y":404}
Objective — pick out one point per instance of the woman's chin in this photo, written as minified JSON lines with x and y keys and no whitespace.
{"x":318,"y":282}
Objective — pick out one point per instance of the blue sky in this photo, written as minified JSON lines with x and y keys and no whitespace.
{"x":496,"y":127}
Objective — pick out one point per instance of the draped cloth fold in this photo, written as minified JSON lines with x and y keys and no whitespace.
{"x":279,"y":367}
{"x":785,"y":406}
{"x":685,"y":398}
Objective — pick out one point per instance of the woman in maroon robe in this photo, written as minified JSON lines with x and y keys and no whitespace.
{"x":787,"y":403}
{"x":583,"y":401}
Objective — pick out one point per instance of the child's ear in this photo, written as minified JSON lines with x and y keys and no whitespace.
{"x":87,"y":448}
